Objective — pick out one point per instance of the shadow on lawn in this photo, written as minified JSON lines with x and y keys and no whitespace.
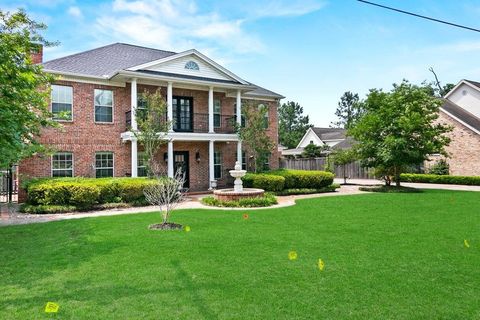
{"x":191,"y":288}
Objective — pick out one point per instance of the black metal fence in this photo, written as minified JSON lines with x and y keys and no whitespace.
{"x":8,"y":185}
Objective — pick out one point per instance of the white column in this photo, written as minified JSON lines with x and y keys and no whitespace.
{"x":239,"y":107}
{"x":133,"y":111}
{"x":170,"y":104}
{"x":239,"y":151}
{"x":210,"y":110}
{"x":170,"y":159}
{"x":134,"y":158}
{"x":211,"y":172}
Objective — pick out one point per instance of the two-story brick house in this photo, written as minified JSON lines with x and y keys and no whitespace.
{"x":100,"y":90}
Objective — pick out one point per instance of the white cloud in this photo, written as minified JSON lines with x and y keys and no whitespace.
{"x":279,"y":8}
{"x":75,"y":11}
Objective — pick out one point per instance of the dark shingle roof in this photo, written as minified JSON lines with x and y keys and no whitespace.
{"x":106,"y":61}
{"x":462,"y":114}
{"x":330,"y":133}
{"x":344,"y":144}
{"x":259,"y":91}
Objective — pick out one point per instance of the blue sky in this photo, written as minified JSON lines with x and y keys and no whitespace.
{"x":310,"y":51}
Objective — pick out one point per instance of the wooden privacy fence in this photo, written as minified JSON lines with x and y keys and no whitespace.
{"x":353,"y":170}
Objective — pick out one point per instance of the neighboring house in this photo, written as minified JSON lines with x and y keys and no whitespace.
{"x":461,"y":109}
{"x":332,"y":137}
{"x":102,"y":87}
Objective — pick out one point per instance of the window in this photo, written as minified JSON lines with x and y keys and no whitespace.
{"x":192,"y":65}
{"x":235,"y":116}
{"x":183,"y":114}
{"x":266,"y":161}
{"x":217,"y":111}
{"x":103,"y":105}
{"x":103,"y":164}
{"x":217,"y":165}
{"x":62,"y":164}
{"x":141,"y":165}
{"x":141,"y":107}
{"x":62,"y":101}
{"x":244,"y":160}
{"x":262,"y":107}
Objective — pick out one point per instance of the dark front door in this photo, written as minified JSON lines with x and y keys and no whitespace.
{"x":181,"y":163}
{"x":182,"y":114}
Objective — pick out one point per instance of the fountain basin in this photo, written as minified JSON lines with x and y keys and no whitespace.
{"x":231,"y":194}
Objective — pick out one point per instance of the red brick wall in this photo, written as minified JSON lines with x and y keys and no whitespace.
{"x":84,"y":137}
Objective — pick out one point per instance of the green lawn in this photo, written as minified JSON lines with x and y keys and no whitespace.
{"x":395,"y":256}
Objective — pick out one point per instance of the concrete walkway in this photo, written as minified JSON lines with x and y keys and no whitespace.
{"x":12,"y":217}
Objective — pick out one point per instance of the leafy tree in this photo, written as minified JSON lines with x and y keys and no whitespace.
{"x":399,"y":129}
{"x":349,"y":110}
{"x":342,"y":157}
{"x":292,"y":124}
{"x":254,"y":136}
{"x":152,"y":128}
{"x":314,"y":151}
{"x":440,"y":167}
{"x":24,"y":108}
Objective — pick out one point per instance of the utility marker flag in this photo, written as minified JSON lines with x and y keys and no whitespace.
{"x":292,"y":255}
{"x":465,"y":243}
{"x":51,"y":307}
{"x":321,"y":264}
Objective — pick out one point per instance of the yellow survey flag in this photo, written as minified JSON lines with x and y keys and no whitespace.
{"x":465,"y":243}
{"x":292,"y":255}
{"x":321,"y":264}
{"x":51,"y":307}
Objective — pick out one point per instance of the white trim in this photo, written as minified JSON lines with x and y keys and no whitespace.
{"x":113,"y":164}
{"x":305,"y":135}
{"x":210,"y":110}
{"x":170,"y":159}
{"x":457,"y":119}
{"x":133,"y":104}
{"x":77,"y":77}
{"x":463,"y":81}
{"x":219,"y":164}
{"x":211,"y":169}
{"x":51,"y":163}
{"x":184,"y":54}
{"x":51,"y":101}
{"x":113,"y":109}
{"x":188,"y":136}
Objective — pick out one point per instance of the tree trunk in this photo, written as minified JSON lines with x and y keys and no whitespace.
{"x":397,"y":176}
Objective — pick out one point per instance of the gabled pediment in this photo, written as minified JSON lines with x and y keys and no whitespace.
{"x":190,"y":63}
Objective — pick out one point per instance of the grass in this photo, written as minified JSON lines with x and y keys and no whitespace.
{"x":387,"y":256}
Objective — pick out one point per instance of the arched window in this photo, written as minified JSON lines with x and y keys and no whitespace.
{"x":192,"y":65}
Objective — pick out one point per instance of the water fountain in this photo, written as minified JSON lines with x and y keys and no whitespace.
{"x":238,"y":192}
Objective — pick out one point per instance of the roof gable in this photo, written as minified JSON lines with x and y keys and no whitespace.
{"x":177,"y":64}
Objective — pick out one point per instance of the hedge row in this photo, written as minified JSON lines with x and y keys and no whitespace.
{"x":279,"y":180}
{"x":440,"y":179}
{"x":86,"y":192}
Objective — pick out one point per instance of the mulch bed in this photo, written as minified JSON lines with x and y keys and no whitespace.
{"x":165,"y":226}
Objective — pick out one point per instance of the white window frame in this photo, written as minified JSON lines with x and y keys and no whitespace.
{"x":113,"y":106}
{"x":71,"y":104}
{"x":141,"y":156}
{"x":219,"y":113}
{"x":244,"y":164}
{"x":113,"y":163}
{"x":217,"y":164}
{"x":51,"y":164}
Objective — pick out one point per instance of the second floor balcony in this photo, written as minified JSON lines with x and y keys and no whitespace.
{"x":196,"y":123}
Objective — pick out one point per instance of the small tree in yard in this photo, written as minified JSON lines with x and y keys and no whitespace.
{"x":314,"y":151}
{"x":254,"y":135}
{"x":399,"y":129}
{"x":343,"y":157}
{"x":167,"y":194}
{"x":152,"y":128}
{"x":24,"y":107}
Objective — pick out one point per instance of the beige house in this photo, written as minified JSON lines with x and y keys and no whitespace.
{"x":461,"y":109}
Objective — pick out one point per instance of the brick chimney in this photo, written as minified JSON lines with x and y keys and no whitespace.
{"x":37,"y":53}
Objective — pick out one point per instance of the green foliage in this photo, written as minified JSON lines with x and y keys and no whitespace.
{"x":264,"y":181}
{"x":46,"y":209}
{"x":84,"y":193}
{"x":24,"y":107}
{"x":349,"y":110}
{"x":343,"y":157}
{"x":254,"y":136}
{"x":152,"y":128}
{"x":292,"y":124}
{"x":304,"y":179}
{"x":441,"y":167}
{"x":295,"y":191}
{"x":266,"y":201}
{"x":314,"y":151}
{"x":440,"y":179}
{"x":399,"y":129}
{"x":390,"y":189}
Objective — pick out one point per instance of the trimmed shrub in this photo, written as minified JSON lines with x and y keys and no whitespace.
{"x":46,"y":209}
{"x":390,"y":189}
{"x":264,"y":181}
{"x":299,"y":179}
{"x":289,"y":192}
{"x":441,"y":167}
{"x":83,"y":196}
{"x":440,"y":179}
{"x":267,"y":200}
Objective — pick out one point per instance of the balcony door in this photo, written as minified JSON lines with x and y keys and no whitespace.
{"x":182,"y":114}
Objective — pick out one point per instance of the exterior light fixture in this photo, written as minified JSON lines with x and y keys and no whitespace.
{"x":197,"y":156}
